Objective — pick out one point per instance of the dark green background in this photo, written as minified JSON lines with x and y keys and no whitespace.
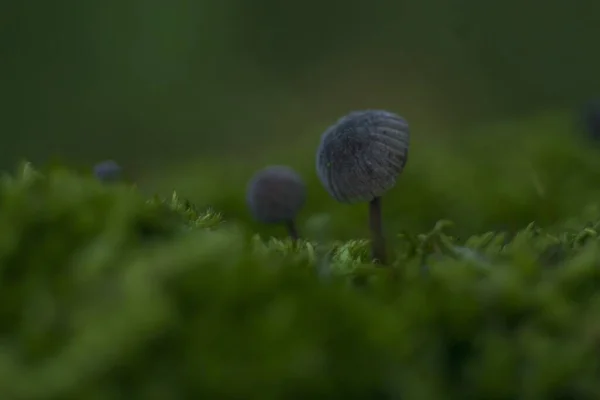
{"x":195,"y":95}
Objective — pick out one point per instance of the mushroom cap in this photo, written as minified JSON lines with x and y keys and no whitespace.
{"x":107,"y":171}
{"x":591,"y":118}
{"x":275,"y":194}
{"x":362,"y":154}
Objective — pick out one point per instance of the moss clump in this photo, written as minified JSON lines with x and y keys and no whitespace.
{"x":105,"y":295}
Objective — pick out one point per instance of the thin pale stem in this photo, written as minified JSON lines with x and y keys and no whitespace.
{"x":377,"y":238}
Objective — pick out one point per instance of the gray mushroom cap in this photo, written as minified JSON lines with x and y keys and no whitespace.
{"x":108,"y":171}
{"x":361,"y":155}
{"x":276,"y":194}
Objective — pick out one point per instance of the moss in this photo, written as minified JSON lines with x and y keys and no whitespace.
{"x":497,"y":176}
{"x":106,"y":295}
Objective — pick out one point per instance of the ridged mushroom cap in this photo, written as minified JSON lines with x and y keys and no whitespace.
{"x":107,"y":171}
{"x":361,"y":155}
{"x":275,"y":194}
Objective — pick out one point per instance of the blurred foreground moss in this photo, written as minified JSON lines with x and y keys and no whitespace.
{"x":105,"y":295}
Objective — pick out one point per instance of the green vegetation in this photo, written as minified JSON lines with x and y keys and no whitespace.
{"x":108,"y":292}
{"x":497,"y":176}
{"x":106,"y":295}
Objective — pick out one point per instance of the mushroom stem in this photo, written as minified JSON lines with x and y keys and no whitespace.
{"x":292,"y":230}
{"x":377,"y":239}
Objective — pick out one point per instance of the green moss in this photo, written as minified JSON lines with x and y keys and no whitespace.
{"x":105,"y":295}
{"x":497,"y":176}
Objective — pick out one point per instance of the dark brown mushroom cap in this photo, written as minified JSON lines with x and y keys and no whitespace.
{"x":361,"y":156}
{"x":276,"y":194}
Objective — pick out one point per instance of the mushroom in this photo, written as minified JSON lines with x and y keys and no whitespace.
{"x":108,"y":171}
{"x":275,"y":195}
{"x":591,"y":119}
{"x":360,"y":158}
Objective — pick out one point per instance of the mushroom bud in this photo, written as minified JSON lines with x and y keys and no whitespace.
{"x":275,"y":195}
{"x":360,"y":158}
{"x":108,"y":171}
{"x":591,"y":119}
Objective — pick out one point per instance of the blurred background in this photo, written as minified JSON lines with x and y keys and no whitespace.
{"x":197,"y":95}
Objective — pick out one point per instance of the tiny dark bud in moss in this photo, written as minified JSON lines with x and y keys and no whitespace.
{"x":108,"y":171}
{"x":591,"y":119}
{"x":275,"y":195}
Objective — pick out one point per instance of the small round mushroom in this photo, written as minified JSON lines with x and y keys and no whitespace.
{"x":591,"y":119}
{"x":108,"y":171}
{"x":275,"y":195}
{"x":360,"y":158}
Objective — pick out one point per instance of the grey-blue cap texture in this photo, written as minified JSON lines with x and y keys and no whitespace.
{"x":361,"y":156}
{"x":275,"y":194}
{"x":107,"y":171}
